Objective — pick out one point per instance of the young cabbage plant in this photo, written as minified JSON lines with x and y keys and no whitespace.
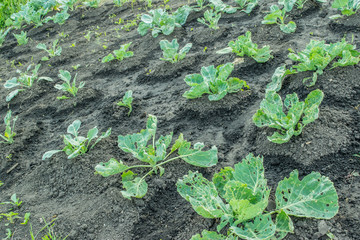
{"x":93,"y":3}
{"x":247,"y":5}
{"x":66,"y":4}
{"x":76,"y":145}
{"x":317,"y":55}
{"x":9,"y":134}
{"x":25,"y":80}
{"x":271,"y":114}
{"x":120,"y":54}
{"x":67,"y":86}
{"x":171,"y":51}
{"x":53,"y":51}
{"x":127,"y":101}
{"x":278,"y":16}
{"x":347,"y":7}
{"x":220,"y":6}
{"x":14,"y":201}
{"x":159,"y":21}
{"x":3,"y":34}
{"x":120,"y":3}
{"x":213,"y":81}
{"x":60,"y":17}
{"x":11,"y":216}
{"x":21,"y":38}
{"x":244,"y":46}
{"x":154,"y":155}
{"x":239,"y":197}
{"x":31,"y":13}
{"x":210,"y":19}
{"x":200,"y":5}
{"x":300,"y":3}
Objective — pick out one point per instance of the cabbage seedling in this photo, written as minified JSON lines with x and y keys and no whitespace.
{"x":25,"y":80}
{"x":271,"y":114}
{"x":213,"y":81}
{"x":11,"y":216}
{"x":76,"y":145}
{"x":59,"y":17}
{"x":67,"y":86}
{"x":277,"y":16}
{"x":31,"y":12}
{"x":244,"y":46}
{"x":247,"y":5}
{"x":120,"y":54}
{"x":317,"y":55}
{"x":126,"y":101}
{"x":239,"y":197}
{"x":53,"y":51}
{"x":171,"y":51}
{"x":347,"y":7}
{"x":159,"y":21}
{"x":154,"y":155}
{"x":93,"y":3}
{"x":9,"y":134}
{"x":21,"y":38}
{"x":212,"y":18}
{"x":300,"y":3}
{"x":220,"y":6}
{"x":14,"y":201}
{"x":200,"y":5}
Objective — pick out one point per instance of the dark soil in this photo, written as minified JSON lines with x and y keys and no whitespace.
{"x":89,"y":206}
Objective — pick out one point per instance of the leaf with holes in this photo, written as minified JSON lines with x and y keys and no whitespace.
{"x":314,"y":196}
{"x":239,"y":196}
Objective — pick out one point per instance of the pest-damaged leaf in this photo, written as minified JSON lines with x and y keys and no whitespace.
{"x":135,"y":187}
{"x":196,"y":156}
{"x":202,"y":195}
{"x":49,"y":154}
{"x":110,"y":168}
{"x":284,"y":224}
{"x":260,"y":229}
{"x":314,"y":196}
{"x":247,"y":193}
{"x":209,"y":235}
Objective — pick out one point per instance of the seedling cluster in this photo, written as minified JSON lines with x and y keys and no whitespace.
{"x":239,"y":196}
